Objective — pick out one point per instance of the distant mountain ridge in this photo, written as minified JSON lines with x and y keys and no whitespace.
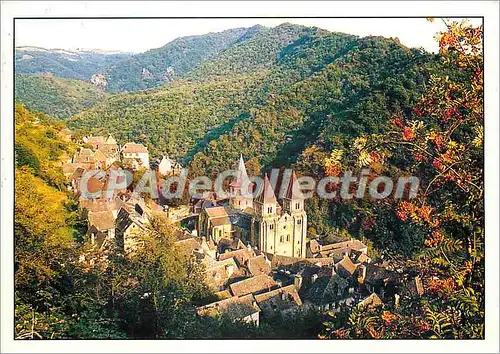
{"x":70,"y":64}
{"x":173,"y":60}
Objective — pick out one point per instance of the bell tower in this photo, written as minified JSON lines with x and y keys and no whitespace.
{"x":266,"y":216}
{"x":293,"y":204}
{"x":241,"y":199}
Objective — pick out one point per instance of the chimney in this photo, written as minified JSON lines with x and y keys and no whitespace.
{"x":283,"y":295}
{"x":229,"y":270}
{"x":362,"y":274}
{"x":314,"y":278}
{"x":297,"y":281}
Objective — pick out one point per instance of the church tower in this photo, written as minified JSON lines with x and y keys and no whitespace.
{"x":241,"y":200}
{"x":266,"y":217}
{"x":293,"y":205}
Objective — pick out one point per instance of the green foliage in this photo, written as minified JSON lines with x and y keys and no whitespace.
{"x":171,"y":61}
{"x":55,"y":96}
{"x":78,"y":65}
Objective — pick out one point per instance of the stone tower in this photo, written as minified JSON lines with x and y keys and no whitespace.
{"x":241,"y":200}
{"x":293,"y":205}
{"x":266,"y":217}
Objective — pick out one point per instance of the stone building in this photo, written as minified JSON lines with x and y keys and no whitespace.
{"x":274,"y":227}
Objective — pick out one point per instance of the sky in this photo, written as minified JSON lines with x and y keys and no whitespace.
{"x":139,"y":35}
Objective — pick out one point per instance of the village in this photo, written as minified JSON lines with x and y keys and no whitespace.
{"x":259,"y":258}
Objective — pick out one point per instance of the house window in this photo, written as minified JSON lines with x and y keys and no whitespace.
{"x":299,"y":222}
{"x":239,"y":202}
{"x":271,"y":227}
{"x":281,"y":238}
{"x":297,"y":205}
{"x":270,"y":210}
{"x":287,"y":238}
{"x":284,"y":227}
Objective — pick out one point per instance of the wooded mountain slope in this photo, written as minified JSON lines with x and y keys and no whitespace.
{"x":79,"y":65}
{"x":55,"y":96}
{"x":265,"y":94}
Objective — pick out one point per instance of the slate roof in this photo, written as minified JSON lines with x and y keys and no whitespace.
{"x":327,"y":290}
{"x":241,"y":256}
{"x":376,"y":274}
{"x":228,"y":244}
{"x":241,"y":220}
{"x":279,"y":299}
{"x":217,"y":273}
{"x":346,"y":266}
{"x":259,"y":265}
{"x":236,"y":308}
{"x":293,"y":190}
{"x":265,"y":193}
{"x":220,"y":221}
{"x":217,"y":212}
{"x":254,"y":285}
{"x":102,"y":220}
{"x":413,"y":287}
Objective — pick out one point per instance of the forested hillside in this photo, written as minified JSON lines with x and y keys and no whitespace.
{"x":287,"y":96}
{"x":55,"y":96}
{"x":289,"y":77}
{"x":322,"y":103}
{"x":78,"y":65}
{"x":173,"y":60}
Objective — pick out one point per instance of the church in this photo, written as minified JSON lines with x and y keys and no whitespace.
{"x":274,"y":226}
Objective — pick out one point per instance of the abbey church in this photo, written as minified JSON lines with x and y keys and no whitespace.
{"x":273,"y":226}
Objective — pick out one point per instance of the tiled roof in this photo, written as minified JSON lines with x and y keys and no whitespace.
{"x":254,"y":285}
{"x":134,"y":148}
{"x":351,"y":244}
{"x":110,"y":140}
{"x":241,"y":256}
{"x":99,"y":156}
{"x":375,"y":274}
{"x":347,"y":265}
{"x":99,"y":205}
{"x":327,"y":290}
{"x":259,"y":265}
{"x":242,"y":175}
{"x":279,"y":299}
{"x":95,"y":140}
{"x":217,"y":212}
{"x":236,"y":308}
{"x":230,"y":245}
{"x":217,"y":273}
{"x":84,"y":155}
{"x":220,"y":221}
{"x":103,"y":220}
